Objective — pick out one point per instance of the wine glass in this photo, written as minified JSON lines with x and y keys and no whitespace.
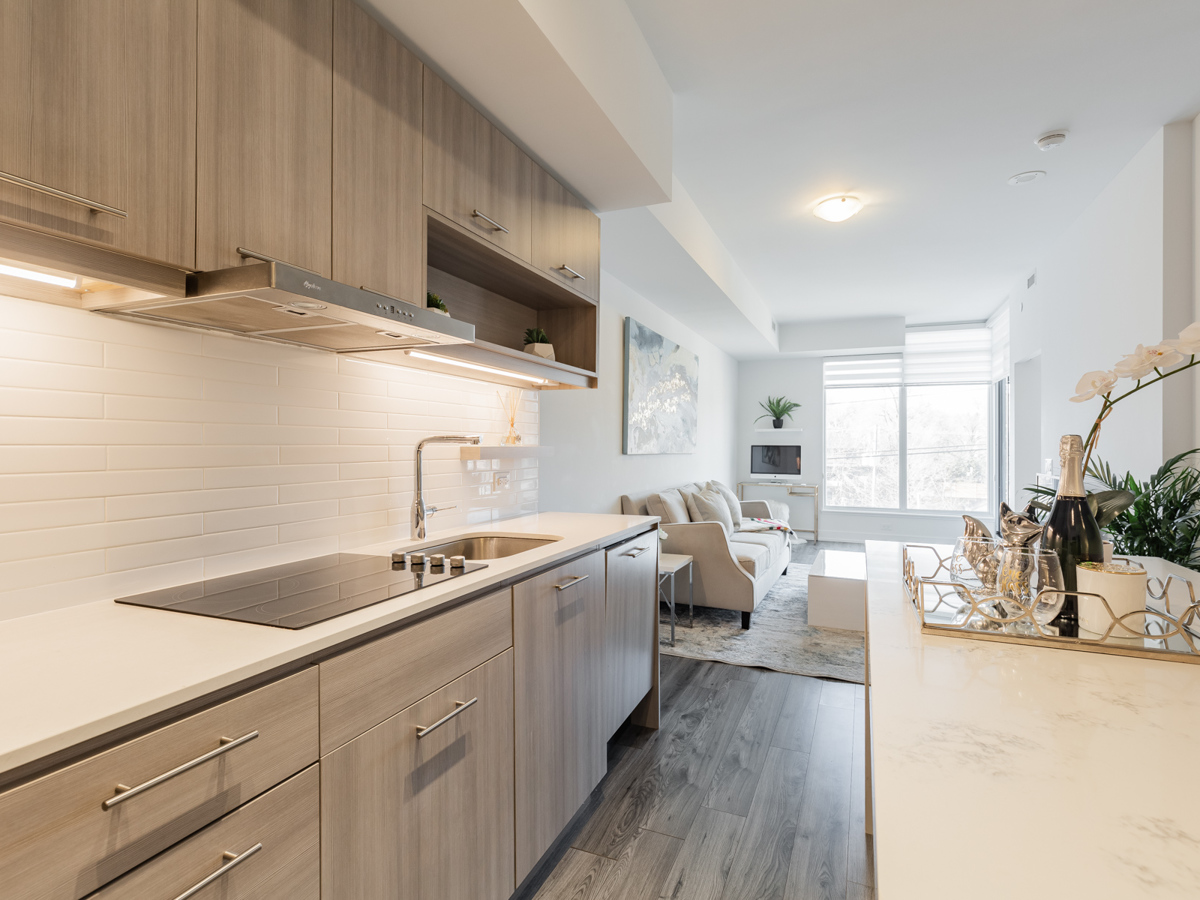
{"x":974,"y":562}
{"x":1031,"y":580}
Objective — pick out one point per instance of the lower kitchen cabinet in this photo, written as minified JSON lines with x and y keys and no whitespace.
{"x":558,"y":642}
{"x":264,"y":850}
{"x":421,"y":806}
{"x":630,"y":634}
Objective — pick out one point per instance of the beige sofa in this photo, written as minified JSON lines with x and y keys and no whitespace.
{"x":728,"y":572}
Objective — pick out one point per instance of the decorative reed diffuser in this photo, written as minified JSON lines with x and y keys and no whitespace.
{"x":511,"y":404}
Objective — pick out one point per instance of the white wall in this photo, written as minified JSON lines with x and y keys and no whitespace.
{"x":801,"y":380}
{"x":1121,"y":275}
{"x":588,"y":472}
{"x":133,"y":457}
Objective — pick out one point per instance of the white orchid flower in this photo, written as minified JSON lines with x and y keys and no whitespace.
{"x":1188,"y":342}
{"x":1094,"y":383}
{"x":1144,"y":360}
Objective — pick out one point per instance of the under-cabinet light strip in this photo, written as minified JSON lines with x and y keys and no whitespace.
{"x":43,"y":277}
{"x":478,"y":368}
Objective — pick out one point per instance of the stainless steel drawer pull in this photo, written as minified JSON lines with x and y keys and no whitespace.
{"x":635,"y":552}
{"x":575,"y":579}
{"x":254,"y":254}
{"x":564,"y":267}
{"x":235,"y":859}
{"x":477,"y":214}
{"x":63,"y":195}
{"x":460,"y":707}
{"x":124,"y":792}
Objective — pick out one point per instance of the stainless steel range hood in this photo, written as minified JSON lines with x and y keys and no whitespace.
{"x":279,"y":302}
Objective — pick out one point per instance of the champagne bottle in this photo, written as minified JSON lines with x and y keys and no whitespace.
{"x":1071,"y":530}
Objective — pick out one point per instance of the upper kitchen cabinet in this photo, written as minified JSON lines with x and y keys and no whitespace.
{"x":473,"y":174}
{"x":378,"y":220}
{"x":97,"y":122}
{"x":265,"y":132}
{"x":566,"y":235}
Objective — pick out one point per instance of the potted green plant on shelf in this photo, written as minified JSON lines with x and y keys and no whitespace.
{"x":777,"y":409}
{"x":537,"y":343}
{"x":436,"y":303}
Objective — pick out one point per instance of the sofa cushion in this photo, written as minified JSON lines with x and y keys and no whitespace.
{"x":709,"y":506}
{"x":731,"y":500}
{"x":773,"y":542}
{"x":668,"y":506}
{"x":754,"y":558}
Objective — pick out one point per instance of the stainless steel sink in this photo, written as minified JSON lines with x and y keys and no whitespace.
{"x":481,"y":546}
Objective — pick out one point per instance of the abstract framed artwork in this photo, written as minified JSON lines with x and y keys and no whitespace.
{"x":661,"y":393}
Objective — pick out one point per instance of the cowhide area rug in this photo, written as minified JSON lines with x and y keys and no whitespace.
{"x":779,"y":637}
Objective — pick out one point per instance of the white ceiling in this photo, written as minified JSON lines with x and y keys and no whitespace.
{"x":924,"y":109}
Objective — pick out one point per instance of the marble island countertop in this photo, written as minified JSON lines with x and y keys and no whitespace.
{"x":1002,"y":771}
{"x":74,"y":674}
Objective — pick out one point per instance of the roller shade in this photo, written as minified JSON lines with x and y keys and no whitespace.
{"x":948,"y":356}
{"x":864,"y":371}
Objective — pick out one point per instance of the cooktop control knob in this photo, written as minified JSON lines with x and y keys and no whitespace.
{"x":437,"y":560}
{"x":458,"y":562}
{"x":416,"y":560}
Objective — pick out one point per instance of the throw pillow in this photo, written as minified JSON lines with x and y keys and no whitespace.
{"x":709,"y":506}
{"x":731,"y":500}
{"x":668,"y":506}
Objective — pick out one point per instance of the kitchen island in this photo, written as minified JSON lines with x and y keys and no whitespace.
{"x":1003,"y":771}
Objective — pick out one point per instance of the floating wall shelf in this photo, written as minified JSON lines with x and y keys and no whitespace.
{"x":778,"y":430}
{"x":517,"y":452}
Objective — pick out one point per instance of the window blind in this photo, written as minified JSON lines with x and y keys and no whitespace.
{"x":948,"y":356}
{"x":864,"y":371}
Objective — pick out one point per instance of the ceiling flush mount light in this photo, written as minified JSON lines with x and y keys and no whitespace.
{"x":838,"y":209}
{"x":466,"y":365}
{"x":43,"y":277}
{"x":1026,"y":177}
{"x":1051,"y":139}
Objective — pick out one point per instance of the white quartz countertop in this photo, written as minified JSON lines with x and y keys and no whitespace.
{"x":73,"y":674}
{"x":1021,"y":773}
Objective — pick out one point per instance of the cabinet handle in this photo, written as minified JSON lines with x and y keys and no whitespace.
{"x":124,"y":792}
{"x":235,"y":860}
{"x":477,"y":214}
{"x":565,"y":268}
{"x":635,"y":552}
{"x":460,"y":707}
{"x":63,"y":195}
{"x":254,"y":254}
{"x":575,"y":579}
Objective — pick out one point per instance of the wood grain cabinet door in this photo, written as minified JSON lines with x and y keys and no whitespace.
{"x":558,"y":642}
{"x":378,"y":222}
{"x":473,"y":174}
{"x":414,"y":811}
{"x":566,"y":235}
{"x":630,"y":609}
{"x":265,"y":132}
{"x":99,"y":102}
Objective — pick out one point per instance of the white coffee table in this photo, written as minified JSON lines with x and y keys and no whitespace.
{"x":837,"y":590}
{"x":669,"y":565}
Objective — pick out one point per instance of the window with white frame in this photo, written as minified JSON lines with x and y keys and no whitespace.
{"x":912,"y":431}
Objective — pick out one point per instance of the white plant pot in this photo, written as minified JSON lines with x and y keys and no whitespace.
{"x":1123,"y":587}
{"x":545,"y":351}
{"x":440,"y":312}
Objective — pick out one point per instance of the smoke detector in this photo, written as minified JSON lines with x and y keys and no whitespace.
{"x":1026,"y":177}
{"x":1052,"y":139}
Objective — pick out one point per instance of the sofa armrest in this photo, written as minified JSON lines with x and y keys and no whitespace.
{"x":699,"y":540}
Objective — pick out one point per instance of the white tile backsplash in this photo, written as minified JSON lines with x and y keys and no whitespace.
{"x":134,"y":457}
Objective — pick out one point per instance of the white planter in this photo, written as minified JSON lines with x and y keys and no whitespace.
{"x":440,"y":312}
{"x":545,"y":351}
{"x":1123,"y":587}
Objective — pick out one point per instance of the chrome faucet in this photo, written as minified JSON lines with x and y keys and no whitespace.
{"x":420,"y":511}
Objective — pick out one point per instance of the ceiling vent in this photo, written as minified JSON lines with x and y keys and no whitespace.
{"x":1031,"y":281}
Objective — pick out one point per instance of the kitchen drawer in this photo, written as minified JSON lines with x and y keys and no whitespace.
{"x":58,"y":841}
{"x":364,"y":686}
{"x":285,"y":823}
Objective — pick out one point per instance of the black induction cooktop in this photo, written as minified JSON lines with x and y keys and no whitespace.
{"x":300,"y":594}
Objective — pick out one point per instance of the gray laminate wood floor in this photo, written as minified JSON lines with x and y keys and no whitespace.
{"x":752,"y":789}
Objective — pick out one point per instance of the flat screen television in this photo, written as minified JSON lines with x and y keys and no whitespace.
{"x":773,"y":459}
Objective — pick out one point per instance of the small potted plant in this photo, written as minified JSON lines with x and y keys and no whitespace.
{"x":777,"y":409}
{"x":538,"y":344}
{"x":436,"y":303}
